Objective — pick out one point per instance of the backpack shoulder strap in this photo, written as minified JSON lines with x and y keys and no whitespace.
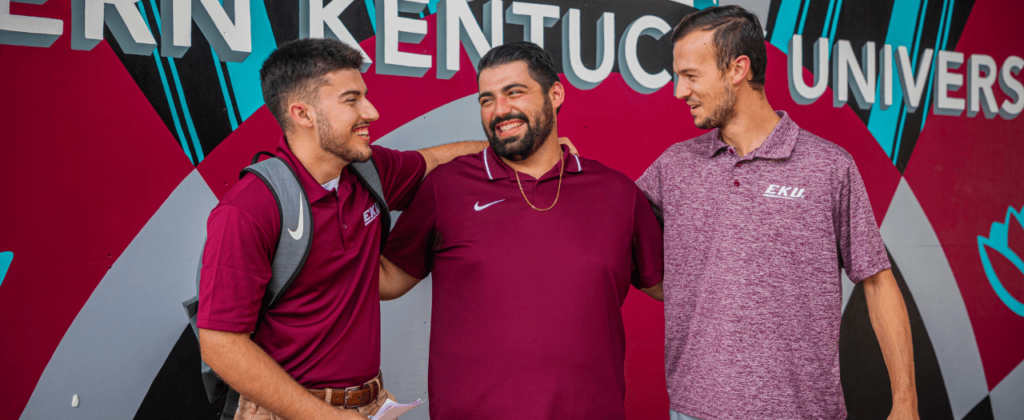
{"x":369,"y":176}
{"x":296,"y":235}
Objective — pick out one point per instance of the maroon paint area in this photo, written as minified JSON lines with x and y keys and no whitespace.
{"x":965,"y":174}
{"x":221,"y":168}
{"x":87,"y":162}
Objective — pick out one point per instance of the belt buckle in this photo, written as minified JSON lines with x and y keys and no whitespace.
{"x":354,"y":388}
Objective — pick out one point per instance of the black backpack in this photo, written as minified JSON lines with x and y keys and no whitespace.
{"x":290,"y":255}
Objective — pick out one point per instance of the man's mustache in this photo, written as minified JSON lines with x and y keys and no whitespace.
{"x":508,"y":117}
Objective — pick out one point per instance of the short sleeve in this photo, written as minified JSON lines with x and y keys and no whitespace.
{"x":650,"y":182}
{"x":410,"y":244}
{"x":648,"y":245}
{"x":861,"y":250}
{"x":400,"y":173}
{"x":235,"y":271}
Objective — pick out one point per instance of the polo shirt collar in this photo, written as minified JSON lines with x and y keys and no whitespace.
{"x":495,"y":168}
{"x":778,"y":145}
{"x":314,"y":191}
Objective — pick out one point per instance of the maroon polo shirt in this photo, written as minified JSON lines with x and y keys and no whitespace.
{"x":526,"y":317}
{"x":325,"y":330}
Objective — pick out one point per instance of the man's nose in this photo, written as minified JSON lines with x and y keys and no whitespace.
{"x":502,"y":107}
{"x":369,"y":112}
{"x":683,"y":90}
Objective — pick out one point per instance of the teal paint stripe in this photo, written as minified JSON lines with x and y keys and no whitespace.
{"x":828,"y":18}
{"x":835,"y":24}
{"x":883,"y":125}
{"x":372,"y":11}
{"x":245,"y":76}
{"x":803,"y":17}
{"x":224,"y":90}
{"x":704,"y":4}
{"x":947,"y":12}
{"x":785,"y":23}
{"x":915,"y":53}
{"x":5,"y":264}
{"x":167,"y":90}
{"x":181,"y":93}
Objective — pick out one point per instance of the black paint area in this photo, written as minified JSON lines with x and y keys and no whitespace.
{"x":177,"y":391}
{"x":864,"y":376}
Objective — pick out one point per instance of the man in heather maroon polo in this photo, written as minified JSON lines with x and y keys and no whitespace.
{"x":324,"y":333}
{"x":760,"y":216}
{"x":532,"y":251}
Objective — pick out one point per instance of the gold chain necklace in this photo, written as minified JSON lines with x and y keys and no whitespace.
{"x":561,"y":170}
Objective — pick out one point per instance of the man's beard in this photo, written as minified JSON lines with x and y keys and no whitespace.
{"x":538,"y":128}
{"x":332,"y":141}
{"x":722,"y":113}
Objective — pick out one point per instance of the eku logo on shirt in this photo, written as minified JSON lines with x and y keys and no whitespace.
{"x":370,"y":214}
{"x":782,"y":191}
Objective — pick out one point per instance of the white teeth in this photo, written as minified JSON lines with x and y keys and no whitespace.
{"x":509,"y":127}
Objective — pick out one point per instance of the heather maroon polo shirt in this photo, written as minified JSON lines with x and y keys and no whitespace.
{"x":753,"y":293}
{"x":526,"y":317}
{"x":325,"y":330}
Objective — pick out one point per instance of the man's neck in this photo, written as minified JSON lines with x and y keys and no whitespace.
{"x":321,"y":165}
{"x":541,"y":161}
{"x":751,"y":124}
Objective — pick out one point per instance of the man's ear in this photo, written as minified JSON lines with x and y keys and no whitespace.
{"x":556,"y":94}
{"x":301,"y":114}
{"x":740,"y":69}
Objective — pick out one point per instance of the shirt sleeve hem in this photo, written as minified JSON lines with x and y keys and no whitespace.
{"x":860,"y":275}
{"x":225,"y":326}
{"x":407,"y":267}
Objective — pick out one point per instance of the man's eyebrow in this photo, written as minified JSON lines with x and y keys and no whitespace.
{"x":356,"y":92}
{"x":512,"y":86}
{"x":486,"y":94}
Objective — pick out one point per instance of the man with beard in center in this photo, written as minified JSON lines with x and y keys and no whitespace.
{"x":532,"y":251}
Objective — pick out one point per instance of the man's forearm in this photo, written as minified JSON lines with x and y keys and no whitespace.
{"x":251,"y":372}
{"x":394,"y":282}
{"x":889,"y":319}
{"x":439,"y":155}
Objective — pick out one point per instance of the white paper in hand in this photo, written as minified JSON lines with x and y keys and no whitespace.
{"x":391,"y":410}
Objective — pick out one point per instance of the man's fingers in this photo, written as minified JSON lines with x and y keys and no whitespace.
{"x":567,"y":142}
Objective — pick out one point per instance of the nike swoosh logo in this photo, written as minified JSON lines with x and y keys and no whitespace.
{"x":297,"y":233}
{"x":478,"y":207}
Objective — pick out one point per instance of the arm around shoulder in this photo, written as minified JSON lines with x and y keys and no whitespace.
{"x":394,"y":282}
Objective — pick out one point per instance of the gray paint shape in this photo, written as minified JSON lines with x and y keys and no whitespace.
{"x":121,"y":337}
{"x":1006,"y":396}
{"x":405,"y":322}
{"x":760,"y":8}
{"x":914,"y":246}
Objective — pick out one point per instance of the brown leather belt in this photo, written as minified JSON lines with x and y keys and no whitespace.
{"x":354,"y":396}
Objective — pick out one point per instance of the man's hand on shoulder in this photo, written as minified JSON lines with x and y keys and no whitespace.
{"x":439,"y":155}
{"x":567,"y":142}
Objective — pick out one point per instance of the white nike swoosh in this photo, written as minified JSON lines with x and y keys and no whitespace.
{"x":297,"y":233}
{"x":478,"y":207}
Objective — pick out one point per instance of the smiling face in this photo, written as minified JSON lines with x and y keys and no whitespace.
{"x":517,"y":115}
{"x":343,"y":116}
{"x":703,"y":86}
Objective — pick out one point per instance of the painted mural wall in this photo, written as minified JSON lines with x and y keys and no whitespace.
{"x":123,"y":124}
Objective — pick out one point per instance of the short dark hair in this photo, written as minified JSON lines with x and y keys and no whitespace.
{"x":298,"y":68}
{"x":737,"y":32}
{"x":539,"y":62}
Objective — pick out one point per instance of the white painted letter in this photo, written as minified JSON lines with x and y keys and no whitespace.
{"x":231,"y":41}
{"x":798,"y":89}
{"x":29,"y":31}
{"x":885,"y":61}
{"x":629,"y":65}
{"x":946,"y":82}
{"x":534,"y":18}
{"x":456,"y":25}
{"x":979,"y":86}
{"x":319,"y":21}
{"x":844,"y":64}
{"x":913,"y":86}
{"x":392,"y":29}
{"x":125,"y":22}
{"x":1011,"y":87}
{"x":572,"y":63}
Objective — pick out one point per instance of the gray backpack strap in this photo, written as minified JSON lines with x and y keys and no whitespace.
{"x":296,"y":235}
{"x":369,"y":176}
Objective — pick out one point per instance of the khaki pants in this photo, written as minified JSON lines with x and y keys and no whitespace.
{"x":248,"y":410}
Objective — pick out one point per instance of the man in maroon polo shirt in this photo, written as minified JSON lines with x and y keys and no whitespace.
{"x":532,"y":251}
{"x":760,"y":216}
{"x":324,"y":333}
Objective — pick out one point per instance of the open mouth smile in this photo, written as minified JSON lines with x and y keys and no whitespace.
{"x":362,"y":131}
{"x":510,"y":128}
